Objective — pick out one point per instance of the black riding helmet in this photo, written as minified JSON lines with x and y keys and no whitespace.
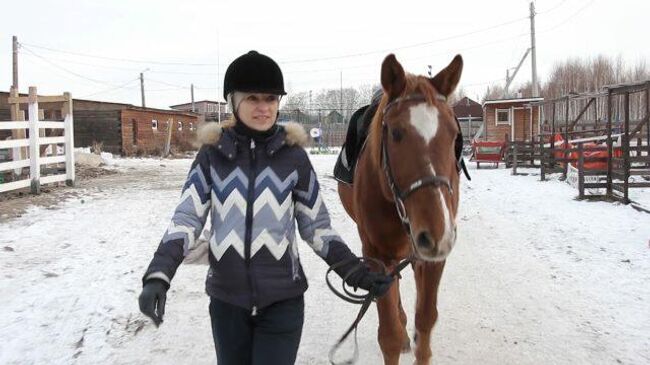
{"x":253,"y":72}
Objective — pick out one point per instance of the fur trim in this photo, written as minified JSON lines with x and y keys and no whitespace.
{"x":296,"y":134}
{"x":210,"y":132}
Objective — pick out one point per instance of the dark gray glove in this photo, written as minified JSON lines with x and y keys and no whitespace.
{"x":152,"y":300}
{"x":377,"y":284}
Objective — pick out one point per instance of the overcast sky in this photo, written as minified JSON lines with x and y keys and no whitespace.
{"x":96,"y":49}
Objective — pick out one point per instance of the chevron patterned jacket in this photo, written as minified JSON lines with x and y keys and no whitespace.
{"x":254,"y":192}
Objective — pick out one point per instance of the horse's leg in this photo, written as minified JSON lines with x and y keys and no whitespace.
{"x":406,"y":342}
{"x":427,"y":280}
{"x":391,"y":332}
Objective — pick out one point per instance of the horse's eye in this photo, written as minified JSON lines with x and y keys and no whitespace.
{"x":397,"y":134}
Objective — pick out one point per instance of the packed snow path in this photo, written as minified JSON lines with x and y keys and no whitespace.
{"x":536,"y":278}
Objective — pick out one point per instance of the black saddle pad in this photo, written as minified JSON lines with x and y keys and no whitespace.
{"x":354,"y":140}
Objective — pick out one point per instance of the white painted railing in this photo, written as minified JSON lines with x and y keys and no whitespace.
{"x":34,"y":142}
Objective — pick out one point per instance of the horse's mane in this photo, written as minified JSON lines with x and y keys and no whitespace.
{"x":419,"y":84}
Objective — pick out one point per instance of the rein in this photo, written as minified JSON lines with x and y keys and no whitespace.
{"x":364,"y":300}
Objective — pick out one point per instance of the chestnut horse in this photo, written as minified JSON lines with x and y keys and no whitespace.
{"x":405,"y":196}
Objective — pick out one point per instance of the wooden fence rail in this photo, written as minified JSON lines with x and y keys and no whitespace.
{"x":34,"y":160}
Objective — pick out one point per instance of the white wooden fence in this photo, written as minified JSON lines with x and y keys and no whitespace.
{"x":34,"y":161}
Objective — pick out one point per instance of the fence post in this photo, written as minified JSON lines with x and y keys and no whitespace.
{"x":68,"y":123}
{"x":17,"y":115}
{"x":581,"y":171}
{"x":647,"y":119}
{"x":542,"y":157}
{"x":610,"y":149}
{"x":34,"y":150}
{"x":626,"y":148}
{"x":514,"y":158}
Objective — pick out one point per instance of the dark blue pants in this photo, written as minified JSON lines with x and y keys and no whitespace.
{"x":271,"y":336}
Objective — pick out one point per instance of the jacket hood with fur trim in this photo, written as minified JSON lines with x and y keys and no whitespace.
{"x":210,"y":133}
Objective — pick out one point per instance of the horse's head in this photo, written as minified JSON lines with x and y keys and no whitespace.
{"x":414,"y":133}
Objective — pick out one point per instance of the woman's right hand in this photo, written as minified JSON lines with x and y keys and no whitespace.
{"x":152,"y":300}
{"x":377,"y":284}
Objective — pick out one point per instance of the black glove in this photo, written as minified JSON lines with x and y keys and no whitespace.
{"x":152,"y":300}
{"x":377,"y":284}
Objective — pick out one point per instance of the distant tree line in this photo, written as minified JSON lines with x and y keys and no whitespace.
{"x":323,"y":101}
{"x":579,"y":75}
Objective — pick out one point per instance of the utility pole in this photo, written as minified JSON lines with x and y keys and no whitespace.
{"x":430,"y":71}
{"x":341,"y":93}
{"x":15,"y":62}
{"x":17,"y":153}
{"x":142,"y":88}
{"x":192,"y":92}
{"x":510,"y":78}
{"x":310,"y":106}
{"x":533,"y":49}
{"x":218,"y":84}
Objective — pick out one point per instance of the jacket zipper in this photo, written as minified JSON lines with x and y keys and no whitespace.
{"x":249,"y":226}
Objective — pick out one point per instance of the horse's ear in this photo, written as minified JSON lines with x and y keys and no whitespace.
{"x":447,"y":79}
{"x":393,"y":79}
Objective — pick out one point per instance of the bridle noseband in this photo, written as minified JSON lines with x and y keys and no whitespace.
{"x":400,"y":196}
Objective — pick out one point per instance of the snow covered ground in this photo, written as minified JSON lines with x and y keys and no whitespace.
{"x":536,"y":278}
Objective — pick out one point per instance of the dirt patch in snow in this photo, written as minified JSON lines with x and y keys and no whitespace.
{"x":15,"y":203}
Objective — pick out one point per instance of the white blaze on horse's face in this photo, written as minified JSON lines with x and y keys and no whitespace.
{"x":440,"y":248}
{"x":424,"y":118}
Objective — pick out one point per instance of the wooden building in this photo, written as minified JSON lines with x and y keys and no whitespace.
{"x":333,"y":117}
{"x":122,"y":129}
{"x":511,"y":119}
{"x":470,"y":116}
{"x":208,"y":109}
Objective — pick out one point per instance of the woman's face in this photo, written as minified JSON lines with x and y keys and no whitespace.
{"x":258,"y":111}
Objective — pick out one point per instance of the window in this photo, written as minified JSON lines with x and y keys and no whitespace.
{"x":154,"y":124}
{"x":191,"y":127}
{"x":134,"y":126}
{"x":502,"y":116}
{"x":180,"y":126}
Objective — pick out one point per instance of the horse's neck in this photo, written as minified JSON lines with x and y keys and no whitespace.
{"x":375,"y":173}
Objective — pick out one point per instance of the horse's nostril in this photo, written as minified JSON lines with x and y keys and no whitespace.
{"x":424,"y":240}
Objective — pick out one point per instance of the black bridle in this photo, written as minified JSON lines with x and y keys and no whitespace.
{"x":400,"y":196}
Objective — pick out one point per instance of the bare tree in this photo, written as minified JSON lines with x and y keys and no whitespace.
{"x":457,"y":95}
{"x":493,"y":92}
{"x":590,"y":75}
{"x":296,"y":101}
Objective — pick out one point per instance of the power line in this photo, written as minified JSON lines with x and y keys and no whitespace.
{"x":405,"y":47}
{"x":415,"y":45}
{"x":411,"y":59}
{"x":480,"y":83}
{"x":65,"y":69}
{"x":167,"y":83}
{"x":570,"y":17}
{"x":119,"y":59}
{"x":551,"y":9}
{"x":123,"y":86}
{"x":129,"y":69}
{"x":113,"y":87}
